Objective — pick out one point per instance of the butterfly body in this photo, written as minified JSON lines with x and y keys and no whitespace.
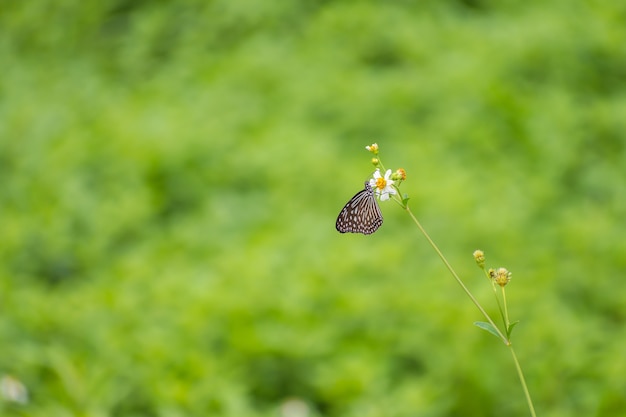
{"x":361,"y":214}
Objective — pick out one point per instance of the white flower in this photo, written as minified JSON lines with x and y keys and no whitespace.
{"x":383,"y":186}
{"x":373,"y":148}
{"x":12,"y":390}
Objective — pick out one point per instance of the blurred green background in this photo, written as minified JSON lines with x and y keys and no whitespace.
{"x":170,"y":175}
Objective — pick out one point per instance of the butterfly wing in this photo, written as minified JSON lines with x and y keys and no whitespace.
{"x":361,"y":214}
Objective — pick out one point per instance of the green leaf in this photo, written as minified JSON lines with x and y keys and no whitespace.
{"x":405,"y":200}
{"x":488,"y":327}
{"x":510,"y":329}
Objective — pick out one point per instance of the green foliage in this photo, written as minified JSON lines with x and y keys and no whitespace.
{"x":509,"y":329}
{"x":171,"y":171}
{"x":487,"y":327}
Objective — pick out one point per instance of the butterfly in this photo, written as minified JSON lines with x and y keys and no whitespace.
{"x":361,"y":214}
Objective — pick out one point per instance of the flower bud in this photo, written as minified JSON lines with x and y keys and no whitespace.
{"x":479,"y":257}
{"x":502,"y":276}
{"x":399,"y":175}
{"x":373,"y":148}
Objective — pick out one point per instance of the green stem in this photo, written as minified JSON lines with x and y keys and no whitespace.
{"x":506,"y":310}
{"x":523,"y":381}
{"x":458,"y":280}
{"x":529,"y":401}
{"x":503,"y":313}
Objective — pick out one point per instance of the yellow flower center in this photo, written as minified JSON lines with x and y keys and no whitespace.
{"x":381,"y":183}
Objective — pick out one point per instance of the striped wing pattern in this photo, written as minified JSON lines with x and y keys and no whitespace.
{"x":361,"y":214}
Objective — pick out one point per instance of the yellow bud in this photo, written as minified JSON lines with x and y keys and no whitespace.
{"x":399,"y":175}
{"x":479,"y":257}
{"x":502,"y":276}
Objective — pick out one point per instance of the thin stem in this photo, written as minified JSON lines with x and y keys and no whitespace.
{"x":506,"y":341}
{"x":495,"y":295}
{"x":458,"y":280}
{"x":506,"y":310}
{"x":523,"y":381}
